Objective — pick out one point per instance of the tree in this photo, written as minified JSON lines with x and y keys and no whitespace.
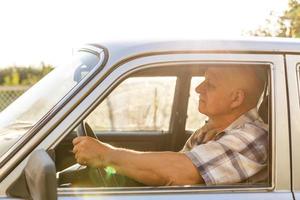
{"x":13,"y":76}
{"x":287,"y":25}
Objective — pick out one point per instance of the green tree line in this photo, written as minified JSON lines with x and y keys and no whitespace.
{"x":13,"y":76}
{"x":286,"y":25}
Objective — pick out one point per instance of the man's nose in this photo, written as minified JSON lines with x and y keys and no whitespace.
{"x":200,"y":88}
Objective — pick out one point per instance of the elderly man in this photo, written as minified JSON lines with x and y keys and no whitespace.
{"x":230,"y":148}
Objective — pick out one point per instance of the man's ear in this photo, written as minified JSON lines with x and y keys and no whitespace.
{"x":237,"y":98}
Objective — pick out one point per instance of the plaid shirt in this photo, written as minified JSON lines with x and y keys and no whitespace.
{"x":231,"y":156}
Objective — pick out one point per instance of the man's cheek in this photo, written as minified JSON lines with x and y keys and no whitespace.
{"x":213,"y":107}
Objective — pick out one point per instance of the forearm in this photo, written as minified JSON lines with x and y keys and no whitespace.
{"x":150,"y":168}
{"x":154,"y":168}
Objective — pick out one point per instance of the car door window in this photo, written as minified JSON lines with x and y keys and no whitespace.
{"x":137,"y":104}
{"x":143,"y":104}
{"x":194,"y":118}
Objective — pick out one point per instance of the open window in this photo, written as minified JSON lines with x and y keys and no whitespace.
{"x":156,"y":109}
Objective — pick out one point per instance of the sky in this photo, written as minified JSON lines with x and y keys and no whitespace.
{"x":35,"y":31}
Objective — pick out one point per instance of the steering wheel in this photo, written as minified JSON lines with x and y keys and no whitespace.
{"x":95,"y":174}
{"x":85,"y":175}
{"x":84,"y":129}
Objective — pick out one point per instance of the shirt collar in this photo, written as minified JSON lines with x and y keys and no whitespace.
{"x":250,"y":116}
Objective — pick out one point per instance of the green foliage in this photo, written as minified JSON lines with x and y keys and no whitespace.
{"x":287,"y":25}
{"x":13,"y":76}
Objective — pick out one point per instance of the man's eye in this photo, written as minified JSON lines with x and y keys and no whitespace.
{"x":209,"y":85}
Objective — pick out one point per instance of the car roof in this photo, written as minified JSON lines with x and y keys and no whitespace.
{"x":253,"y":44}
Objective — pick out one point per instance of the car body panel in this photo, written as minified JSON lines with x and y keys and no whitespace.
{"x":191,"y":196}
{"x":293,"y":62}
{"x":126,"y":59}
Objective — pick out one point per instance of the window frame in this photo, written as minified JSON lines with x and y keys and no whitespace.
{"x":293,"y":81}
{"x":192,"y":188}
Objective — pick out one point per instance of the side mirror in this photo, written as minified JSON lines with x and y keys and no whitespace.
{"x":81,"y":72}
{"x":38,"y":180}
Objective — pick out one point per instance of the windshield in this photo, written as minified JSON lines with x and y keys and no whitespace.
{"x":35,"y":103}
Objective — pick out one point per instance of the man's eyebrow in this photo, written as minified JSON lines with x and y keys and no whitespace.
{"x":211,"y":77}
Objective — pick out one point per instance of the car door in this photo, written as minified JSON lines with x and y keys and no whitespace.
{"x":279,"y":162}
{"x":293,"y":77}
{"x":277,"y":188}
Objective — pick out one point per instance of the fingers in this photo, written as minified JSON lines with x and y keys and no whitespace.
{"x":79,"y":157}
{"x":78,"y":140}
{"x":75,"y":149}
{"x":79,"y":143}
{"x":80,"y":146}
{"x":81,"y":161}
{"x":87,"y":151}
{"x":76,"y":143}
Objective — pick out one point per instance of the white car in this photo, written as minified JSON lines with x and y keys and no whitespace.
{"x":140,"y":95}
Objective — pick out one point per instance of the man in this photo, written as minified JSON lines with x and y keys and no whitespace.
{"x":230,"y":148}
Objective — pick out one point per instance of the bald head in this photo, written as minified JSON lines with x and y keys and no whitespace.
{"x":229,"y":90}
{"x":245,"y":78}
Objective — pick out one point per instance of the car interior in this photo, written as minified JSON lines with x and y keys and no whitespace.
{"x":166,"y":130}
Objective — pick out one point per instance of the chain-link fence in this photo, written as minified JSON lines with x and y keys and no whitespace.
{"x":10,"y":93}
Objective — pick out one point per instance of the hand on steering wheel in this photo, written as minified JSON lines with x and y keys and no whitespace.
{"x":97,"y":176}
{"x":79,"y":175}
